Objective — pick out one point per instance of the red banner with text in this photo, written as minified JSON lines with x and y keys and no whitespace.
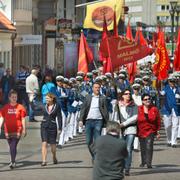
{"x":123,"y":51}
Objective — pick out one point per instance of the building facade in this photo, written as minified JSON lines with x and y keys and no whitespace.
{"x":150,"y":12}
{"x":7,"y":34}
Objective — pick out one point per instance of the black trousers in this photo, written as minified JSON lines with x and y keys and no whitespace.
{"x":146,"y":146}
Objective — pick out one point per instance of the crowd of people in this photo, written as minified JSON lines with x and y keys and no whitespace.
{"x":89,"y":101}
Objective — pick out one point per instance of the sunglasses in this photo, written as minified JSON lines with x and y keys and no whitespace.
{"x":127,"y":93}
{"x":147,"y":99}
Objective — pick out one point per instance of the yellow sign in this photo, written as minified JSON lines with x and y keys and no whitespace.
{"x":95,"y":14}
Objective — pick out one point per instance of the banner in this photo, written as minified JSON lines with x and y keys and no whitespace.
{"x":95,"y":14}
{"x":162,"y":63}
{"x":123,"y":51}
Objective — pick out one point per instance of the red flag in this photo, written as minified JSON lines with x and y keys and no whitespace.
{"x":115,"y":30}
{"x":162,"y":63}
{"x":85,"y":55}
{"x":131,"y":67}
{"x":129,"y":35}
{"x":177,"y":54}
{"x":105,"y":58}
{"x":140,"y":38}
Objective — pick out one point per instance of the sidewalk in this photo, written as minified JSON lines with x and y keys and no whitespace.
{"x":75,"y":162}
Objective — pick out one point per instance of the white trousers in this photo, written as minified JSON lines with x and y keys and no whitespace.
{"x":171,"y":128}
{"x":63,"y":132}
{"x":179,"y":127}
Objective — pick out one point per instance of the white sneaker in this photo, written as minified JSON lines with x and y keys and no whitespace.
{"x":12,"y":165}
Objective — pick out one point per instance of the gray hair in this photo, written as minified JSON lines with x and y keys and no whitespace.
{"x":113,"y":127}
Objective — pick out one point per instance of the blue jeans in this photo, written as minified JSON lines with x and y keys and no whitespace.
{"x":32,"y":106}
{"x":129,"y":141}
{"x":93,"y":130}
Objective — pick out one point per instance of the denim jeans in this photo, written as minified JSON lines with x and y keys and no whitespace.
{"x":129,"y":138}
{"x":32,"y":106}
{"x":93,"y":130}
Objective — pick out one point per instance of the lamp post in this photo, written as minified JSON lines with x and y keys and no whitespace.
{"x":177,"y":17}
{"x":172,"y":13}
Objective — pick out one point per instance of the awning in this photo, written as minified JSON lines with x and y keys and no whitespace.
{"x":5,"y":24}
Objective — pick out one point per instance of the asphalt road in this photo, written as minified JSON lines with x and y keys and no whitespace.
{"x":75,"y":163}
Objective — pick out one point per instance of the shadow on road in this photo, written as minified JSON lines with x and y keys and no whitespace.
{"x":158,"y":169}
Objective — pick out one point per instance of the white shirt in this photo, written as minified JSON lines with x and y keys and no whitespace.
{"x":32,"y":85}
{"x":137,"y":99}
{"x":94,"y":112}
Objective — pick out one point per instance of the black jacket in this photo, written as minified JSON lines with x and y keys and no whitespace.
{"x":102,"y":107}
{"x":49,"y":119}
{"x":111,"y":152}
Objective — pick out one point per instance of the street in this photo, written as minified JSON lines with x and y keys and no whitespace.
{"x":75,"y":163}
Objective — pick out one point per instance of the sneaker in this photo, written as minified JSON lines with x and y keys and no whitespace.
{"x":55,"y":161}
{"x":149,"y":166}
{"x":12,"y":165}
{"x":127,"y":172}
{"x":33,"y":120}
{"x":142,"y":165}
{"x":43,"y":164}
{"x":59,"y":146}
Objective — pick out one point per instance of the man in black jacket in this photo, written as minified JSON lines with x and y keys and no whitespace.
{"x":94,"y":115}
{"x":111,"y":152}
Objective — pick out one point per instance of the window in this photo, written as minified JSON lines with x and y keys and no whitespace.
{"x":135,"y":9}
{"x":163,"y":7}
{"x":23,"y":4}
{"x":138,"y":19}
{"x":158,"y":8}
{"x":167,"y":7}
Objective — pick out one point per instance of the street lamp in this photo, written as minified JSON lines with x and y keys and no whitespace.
{"x":177,"y":16}
{"x":172,"y":12}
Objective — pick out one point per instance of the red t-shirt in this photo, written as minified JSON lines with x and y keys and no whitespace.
{"x":13,"y":118}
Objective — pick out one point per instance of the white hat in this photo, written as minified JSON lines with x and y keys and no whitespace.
{"x":80,"y":73}
{"x":138,"y":80}
{"x":89,"y":74}
{"x":171,"y":77}
{"x":79,"y":78}
{"x":122,"y":71}
{"x":98,"y":78}
{"x":72,"y":79}
{"x":108,"y":74}
{"x":121,"y":76}
{"x":95,"y":71}
{"x":146,"y":77}
{"x":66,"y":80}
{"x":59,"y":78}
{"x":136,"y":85}
{"x":103,"y":77}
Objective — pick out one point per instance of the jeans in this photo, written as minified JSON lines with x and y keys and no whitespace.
{"x":32,"y":107}
{"x":146,"y":145}
{"x":93,"y":130}
{"x":129,"y":138}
